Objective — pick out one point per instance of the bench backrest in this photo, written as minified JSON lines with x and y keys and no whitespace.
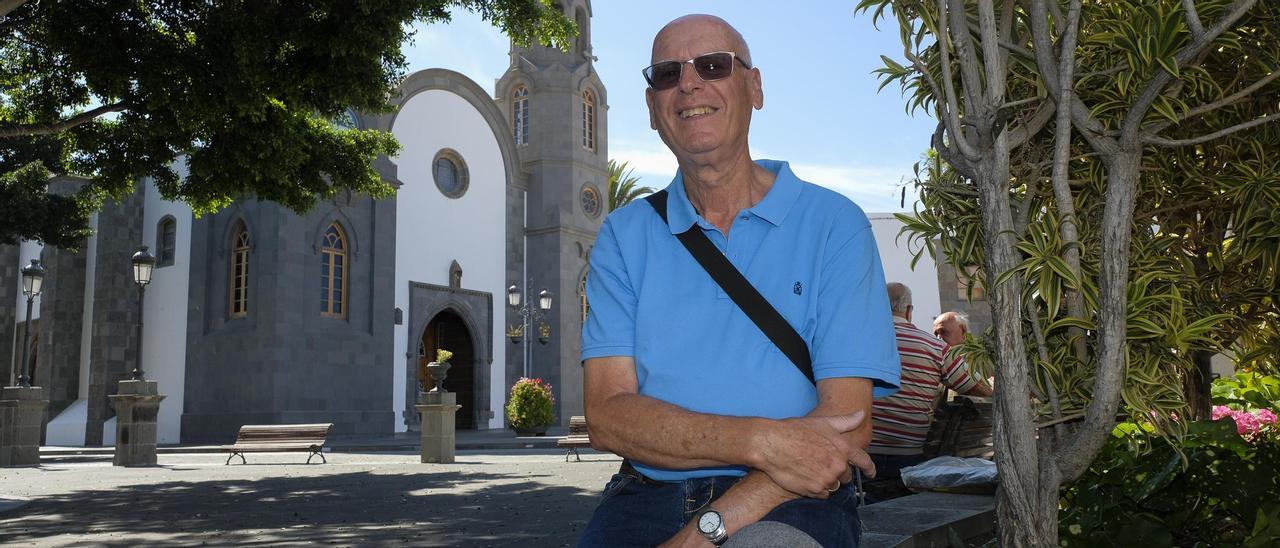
{"x":316,"y":433}
{"x":577,"y":425}
{"x":962,"y":428}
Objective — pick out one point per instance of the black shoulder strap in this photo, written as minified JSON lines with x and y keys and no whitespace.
{"x":763,"y":314}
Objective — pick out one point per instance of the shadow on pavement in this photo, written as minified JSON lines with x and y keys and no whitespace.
{"x":358,"y":508}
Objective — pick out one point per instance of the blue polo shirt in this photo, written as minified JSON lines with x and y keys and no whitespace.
{"x":808,"y":250}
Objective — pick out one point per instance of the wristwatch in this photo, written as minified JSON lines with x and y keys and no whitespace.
{"x":711,"y":525}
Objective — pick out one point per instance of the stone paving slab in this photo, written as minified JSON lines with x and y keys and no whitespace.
{"x":493,"y":499}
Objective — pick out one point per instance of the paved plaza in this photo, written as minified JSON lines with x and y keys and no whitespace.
{"x":526,"y":497}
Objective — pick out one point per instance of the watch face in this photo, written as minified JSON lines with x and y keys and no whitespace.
{"x":709,"y":522}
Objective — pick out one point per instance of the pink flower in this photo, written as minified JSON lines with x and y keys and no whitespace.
{"x":1246,"y":423}
{"x":1265,"y":416}
{"x":1220,"y":411}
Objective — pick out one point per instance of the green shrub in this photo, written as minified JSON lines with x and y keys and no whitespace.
{"x":1219,"y":485}
{"x":532,"y":404}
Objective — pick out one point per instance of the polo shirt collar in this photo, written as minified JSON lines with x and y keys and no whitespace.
{"x":773,"y":208}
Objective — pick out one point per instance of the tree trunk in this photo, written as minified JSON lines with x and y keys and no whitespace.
{"x":1197,"y":385}
{"x":1024,"y":498}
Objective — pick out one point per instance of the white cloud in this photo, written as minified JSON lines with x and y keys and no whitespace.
{"x":874,"y":188}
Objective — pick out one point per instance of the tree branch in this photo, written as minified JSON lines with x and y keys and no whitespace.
{"x":1060,"y":174}
{"x":949,"y":89}
{"x":7,"y":6}
{"x":1023,"y":133}
{"x":1232,"y":99}
{"x":1206,"y":138}
{"x":1193,"y":19}
{"x":1156,"y":84}
{"x":31,"y":130}
{"x":992,"y":57}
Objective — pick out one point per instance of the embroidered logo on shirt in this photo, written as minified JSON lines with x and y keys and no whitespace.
{"x":797,"y":289}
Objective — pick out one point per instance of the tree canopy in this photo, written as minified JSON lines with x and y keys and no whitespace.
{"x":1104,"y":165}
{"x":245,"y":94}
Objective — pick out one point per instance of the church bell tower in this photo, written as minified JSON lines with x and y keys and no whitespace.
{"x":556,"y":106}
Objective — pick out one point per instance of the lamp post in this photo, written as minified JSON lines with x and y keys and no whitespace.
{"x":528,"y":313}
{"x":143,"y":264}
{"x":32,"y":285}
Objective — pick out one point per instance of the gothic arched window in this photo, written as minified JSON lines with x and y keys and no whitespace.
{"x":333,"y":273}
{"x":588,"y":120}
{"x":520,"y":115}
{"x":239,"y":286}
{"x":166,"y":240}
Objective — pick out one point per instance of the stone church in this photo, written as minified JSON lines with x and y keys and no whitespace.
{"x":258,"y":315}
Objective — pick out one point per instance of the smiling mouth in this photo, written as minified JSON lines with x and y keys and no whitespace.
{"x":695,"y":112}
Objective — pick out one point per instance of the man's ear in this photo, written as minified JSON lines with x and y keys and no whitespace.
{"x":648,"y":100}
{"x":757,"y":89}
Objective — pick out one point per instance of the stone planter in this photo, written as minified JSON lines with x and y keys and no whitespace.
{"x":438,"y":372}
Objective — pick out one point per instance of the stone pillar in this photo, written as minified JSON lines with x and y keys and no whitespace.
{"x":136,"y":404}
{"x":437,"y":410}
{"x":21,"y":416}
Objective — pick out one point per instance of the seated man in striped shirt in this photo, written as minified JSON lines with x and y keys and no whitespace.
{"x":901,"y":422}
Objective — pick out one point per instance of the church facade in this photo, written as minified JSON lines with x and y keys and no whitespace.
{"x":259,"y":315}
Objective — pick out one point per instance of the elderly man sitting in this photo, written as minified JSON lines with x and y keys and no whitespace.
{"x":900,"y":423}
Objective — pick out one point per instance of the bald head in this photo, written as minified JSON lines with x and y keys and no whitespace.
{"x":899,"y":299}
{"x":951,"y":327}
{"x":700,"y":25}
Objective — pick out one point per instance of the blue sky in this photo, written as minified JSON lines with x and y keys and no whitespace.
{"x":822,"y":112}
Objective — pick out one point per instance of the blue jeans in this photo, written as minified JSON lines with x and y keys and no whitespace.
{"x":637,"y":511}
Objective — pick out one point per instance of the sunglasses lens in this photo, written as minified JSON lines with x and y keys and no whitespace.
{"x":663,"y":75}
{"x":713,"y":66}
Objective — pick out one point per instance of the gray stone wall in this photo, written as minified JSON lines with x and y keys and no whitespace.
{"x":61,"y":326}
{"x":951,"y":298}
{"x":113,"y":350}
{"x":559,"y":233}
{"x":283,"y":362}
{"x":10,"y":334}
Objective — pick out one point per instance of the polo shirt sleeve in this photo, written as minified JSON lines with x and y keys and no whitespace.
{"x":610,"y":329}
{"x":855,"y":336}
{"x":955,"y":372}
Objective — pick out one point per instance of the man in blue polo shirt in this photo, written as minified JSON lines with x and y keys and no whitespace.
{"x":719,"y":429}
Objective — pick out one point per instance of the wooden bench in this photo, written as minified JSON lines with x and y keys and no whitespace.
{"x":280,"y":438}
{"x":578,"y":437}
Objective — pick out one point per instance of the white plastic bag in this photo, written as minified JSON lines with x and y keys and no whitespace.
{"x":948,"y":472}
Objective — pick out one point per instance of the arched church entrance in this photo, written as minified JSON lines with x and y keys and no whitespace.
{"x":447,"y":331}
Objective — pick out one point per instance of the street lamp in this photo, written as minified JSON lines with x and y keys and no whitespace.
{"x":143,"y":264}
{"x":528,"y":315}
{"x":32,"y":285}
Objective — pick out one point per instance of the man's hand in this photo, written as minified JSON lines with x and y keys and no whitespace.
{"x":810,"y":456}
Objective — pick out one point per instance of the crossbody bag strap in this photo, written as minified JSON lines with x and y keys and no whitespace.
{"x":745,"y":295}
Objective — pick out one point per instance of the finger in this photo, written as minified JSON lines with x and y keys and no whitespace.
{"x":863,"y":461}
{"x":847,"y":476}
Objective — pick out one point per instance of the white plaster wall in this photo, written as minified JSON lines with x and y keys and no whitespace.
{"x":923,"y":281}
{"x":164,"y":338}
{"x":433,"y":230}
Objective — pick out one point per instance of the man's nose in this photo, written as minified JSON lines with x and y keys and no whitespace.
{"x":689,"y":79}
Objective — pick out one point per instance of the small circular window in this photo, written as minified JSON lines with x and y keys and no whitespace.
{"x":450,"y":173}
{"x":590,"y":201}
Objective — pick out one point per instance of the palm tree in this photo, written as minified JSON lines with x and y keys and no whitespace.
{"x":623,"y":186}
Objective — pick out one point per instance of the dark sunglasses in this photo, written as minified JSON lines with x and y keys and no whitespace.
{"x":710,"y":67}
